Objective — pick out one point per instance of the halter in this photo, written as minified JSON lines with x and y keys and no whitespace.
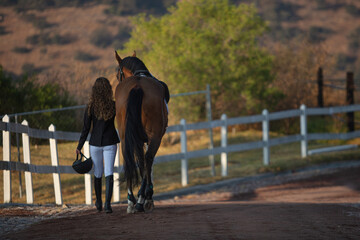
{"x":122,"y":75}
{"x":141,"y":72}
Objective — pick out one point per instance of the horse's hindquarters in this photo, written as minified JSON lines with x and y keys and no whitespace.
{"x":141,"y":117}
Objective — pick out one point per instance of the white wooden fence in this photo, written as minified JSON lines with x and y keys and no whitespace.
{"x":265,"y":118}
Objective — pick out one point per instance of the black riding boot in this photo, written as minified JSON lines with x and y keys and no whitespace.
{"x":97,"y":184}
{"x":109,"y":192}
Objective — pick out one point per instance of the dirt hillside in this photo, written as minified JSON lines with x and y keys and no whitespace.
{"x":56,"y":42}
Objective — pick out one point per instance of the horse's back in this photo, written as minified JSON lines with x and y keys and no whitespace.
{"x":154,"y":112}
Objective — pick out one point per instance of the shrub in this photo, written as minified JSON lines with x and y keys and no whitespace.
{"x":30,"y":69}
{"x":324,"y":5}
{"x":286,"y":34}
{"x":101,"y":37}
{"x":47,"y":39}
{"x":21,"y":50}
{"x":40,"y":5}
{"x":352,"y":10}
{"x":85,"y":57}
{"x":39,"y":39}
{"x":122,"y":36}
{"x":354,"y":39}
{"x":38,"y":22}
{"x":318,"y":34}
{"x":25,"y":95}
{"x":343,"y":61}
{"x":3,"y":30}
{"x":63,"y":39}
{"x":125,"y":7}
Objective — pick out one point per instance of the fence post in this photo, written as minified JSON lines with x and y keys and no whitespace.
{"x":350,"y":100}
{"x":266,"y":138}
{"x":303,"y":131}
{"x":224,"y":160}
{"x":27,"y":160}
{"x":87,"y":177}
{"x":18,"y":158}
{"x":116,"y":190}
{"x":209,"y":116}
{"x":55,"y":162}
{"x":7,"y":158}
{"x":184,"y":161}
{"x":320,"y":82}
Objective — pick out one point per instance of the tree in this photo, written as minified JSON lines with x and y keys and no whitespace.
{"x":296,"y":65}
{"x":207,"y":42}
{"x":25,"y":95}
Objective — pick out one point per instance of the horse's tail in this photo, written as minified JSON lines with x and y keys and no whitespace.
{"x":135,"y":137}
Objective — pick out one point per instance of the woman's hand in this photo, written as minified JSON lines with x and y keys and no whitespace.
{"x":77,"y":151}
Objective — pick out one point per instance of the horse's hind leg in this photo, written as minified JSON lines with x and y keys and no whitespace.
{"x":149,"y":159}
{"x":141,"y":194}
{"x":141,"y":197}
{"x":131,"y":201}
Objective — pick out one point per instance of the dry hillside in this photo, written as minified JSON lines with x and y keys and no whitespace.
{"x":62,"y":51}
{"x":59,"y":62}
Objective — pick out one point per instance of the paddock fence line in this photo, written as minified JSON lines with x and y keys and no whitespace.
{"x":184,"y":155}
{"x":206,"y":92}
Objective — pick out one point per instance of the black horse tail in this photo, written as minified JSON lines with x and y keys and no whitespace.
{"x":135,"y":137}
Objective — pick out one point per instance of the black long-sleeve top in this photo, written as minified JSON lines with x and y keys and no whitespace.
{"x":103,"y":132}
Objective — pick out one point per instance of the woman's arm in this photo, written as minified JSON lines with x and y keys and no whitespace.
{"x":85,"y":130}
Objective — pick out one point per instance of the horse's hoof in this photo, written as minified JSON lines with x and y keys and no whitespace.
{"x":131,"y":208}
{"x":149,"y":205}
{"x":139,"y":207}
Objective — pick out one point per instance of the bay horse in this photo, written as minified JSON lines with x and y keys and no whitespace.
{"x":142,"y":118}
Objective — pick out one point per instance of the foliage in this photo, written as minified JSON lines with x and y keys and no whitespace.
{"x":30,"y":69}
{"x":85,"y":57}
{"x":124,"y":7}
{"x":49,"y":38}
{"x":122,"y":36}
{"x":25,"y":95}
{"x":101,"y":37}
{"x":354,"y":39}
{"x":21,"y":50}
{"x":3,"y":31}
{"x":296,"y":65}
{"x":325,"y":5}
{"x":279,"y":11}
{"x":118,"y":7}
{"x":24,"y":5}
{"x":353,"y":10}
{"x":207,"y":42}
{"x":318,"y":34}
{"x":344,"y":61}
{"x":38,"y":22}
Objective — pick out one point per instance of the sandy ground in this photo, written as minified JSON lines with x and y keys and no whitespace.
{"x":321,"y":207}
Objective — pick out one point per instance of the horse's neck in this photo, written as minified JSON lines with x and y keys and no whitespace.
{"x":142,"y":73}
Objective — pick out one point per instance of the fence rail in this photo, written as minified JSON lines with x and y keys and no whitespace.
{"x":303,"y":137}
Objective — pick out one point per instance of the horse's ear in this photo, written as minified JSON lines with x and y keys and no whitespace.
{"x":134,"y":54}
{"x":118,"y":58}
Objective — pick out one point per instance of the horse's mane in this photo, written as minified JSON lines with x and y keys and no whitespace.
{"x":133,"y":64}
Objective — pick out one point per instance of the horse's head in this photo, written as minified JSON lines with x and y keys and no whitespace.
{"x":129,"y":66}
{"x":122,"y":71}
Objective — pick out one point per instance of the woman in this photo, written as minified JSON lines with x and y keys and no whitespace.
{"x":100,"y":112}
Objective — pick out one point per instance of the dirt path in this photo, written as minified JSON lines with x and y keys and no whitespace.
{"x":322,"y":207}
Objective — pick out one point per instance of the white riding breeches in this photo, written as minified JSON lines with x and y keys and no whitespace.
{"x":103,"y":159}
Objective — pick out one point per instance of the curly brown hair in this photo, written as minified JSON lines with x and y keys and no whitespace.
{"x":101,"y":99}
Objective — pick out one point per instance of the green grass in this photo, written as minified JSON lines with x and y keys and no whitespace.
{"x":167,"y":176}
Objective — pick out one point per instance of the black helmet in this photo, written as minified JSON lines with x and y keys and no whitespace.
{"x":82,"y":166}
